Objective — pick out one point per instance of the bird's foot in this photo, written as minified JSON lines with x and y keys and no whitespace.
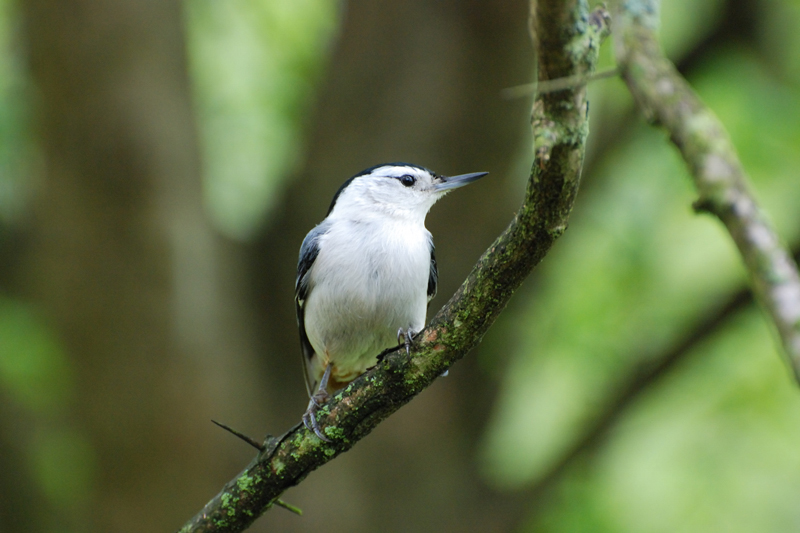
{"x":317,"y":400}
{"x":310,"y":416}
{"x":407,"y":337}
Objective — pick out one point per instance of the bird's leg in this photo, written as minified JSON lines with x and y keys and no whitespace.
{"x":408,"y":338}
{"x":317,"y":400}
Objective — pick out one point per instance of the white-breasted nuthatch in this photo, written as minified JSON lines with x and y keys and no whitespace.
{"x":366,"y":274}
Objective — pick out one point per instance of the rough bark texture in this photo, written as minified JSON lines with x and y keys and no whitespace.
{"x":664,"y":97}
{"x":560,"y":126}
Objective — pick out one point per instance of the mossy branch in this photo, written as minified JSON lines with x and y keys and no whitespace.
{"x":560,"y":128}
{"x":664,"y":97}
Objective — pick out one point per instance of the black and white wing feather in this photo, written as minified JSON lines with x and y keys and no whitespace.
{"x":433,"y":275}
{"x":302,"y":287}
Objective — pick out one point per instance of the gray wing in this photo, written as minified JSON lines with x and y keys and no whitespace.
{"x":433,"y":275}
{"x":308,"y":254}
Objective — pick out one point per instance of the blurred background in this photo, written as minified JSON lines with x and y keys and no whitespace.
{"x":160,"y":163}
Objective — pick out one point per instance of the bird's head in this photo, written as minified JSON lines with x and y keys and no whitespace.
{"x":396,"y":189}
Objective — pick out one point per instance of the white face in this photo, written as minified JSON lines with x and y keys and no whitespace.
{"x":406,"y":185}
{"x":398,"y":190}
{"x":390,"y":189}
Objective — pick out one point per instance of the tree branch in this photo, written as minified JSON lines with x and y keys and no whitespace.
{"x":568,"y":43}
{"x":664,"y":97}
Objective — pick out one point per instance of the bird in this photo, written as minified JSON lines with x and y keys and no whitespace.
{"x":366,"y":274}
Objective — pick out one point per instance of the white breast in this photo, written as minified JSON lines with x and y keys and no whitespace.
{"x":365,"y":285}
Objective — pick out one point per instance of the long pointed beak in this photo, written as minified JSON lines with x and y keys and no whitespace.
{"x":455,"y":182}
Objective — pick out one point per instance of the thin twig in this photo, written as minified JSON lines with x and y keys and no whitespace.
{"x":249,"y":440}
{"x":560,"y":84}
{"x":289,"y":507}
{"x":664,"y":97}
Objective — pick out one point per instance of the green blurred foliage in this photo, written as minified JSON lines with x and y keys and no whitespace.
{"x":684,"y":23}
{"x":63,"y":465}
{"x":15,"y":145}
{"x":254,"y":67}
{"x":714,"y":446}
{"x":777,"y":31}
{"x":34,"y":371}
{"x":36,"y":378}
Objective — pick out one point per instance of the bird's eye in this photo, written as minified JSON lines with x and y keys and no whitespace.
{"x":407,"y":180}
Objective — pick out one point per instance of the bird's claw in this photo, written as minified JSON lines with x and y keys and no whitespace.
{"x":310,"y":420}
{"x":315,"y":403}
{"x":407,"y":337}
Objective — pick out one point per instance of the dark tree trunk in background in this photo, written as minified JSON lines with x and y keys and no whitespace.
{"x":123,"y":265}
{"x":22,"y":504}
{"x":420,"y":82}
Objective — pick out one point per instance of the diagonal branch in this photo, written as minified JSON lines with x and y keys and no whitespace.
{"x":664,"y":97}
{"x":568,"y":42}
